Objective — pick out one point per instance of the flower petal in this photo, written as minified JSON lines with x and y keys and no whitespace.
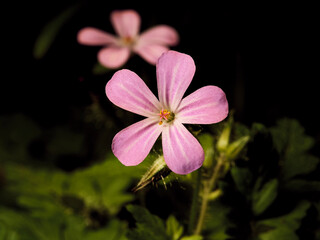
{"x":207,"y":105}
{"x":160,"y":35}
{"x":95,"y":37}
{"x":150,"y":53}
{"x":133,"y":144}
{"x":128,"y":91}
{"x":113,"y":57}
{"x":174,"y":74}
{"x":181,"y":150}
{"x":126,"y":22}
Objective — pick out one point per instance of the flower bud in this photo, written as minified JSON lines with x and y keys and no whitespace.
{"x":157,"y":171}
{"x":215,"y":194}
{"x":235,"y":148}
{"x":223,"y":140}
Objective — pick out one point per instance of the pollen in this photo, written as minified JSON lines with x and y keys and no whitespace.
{"x":165,"y":115}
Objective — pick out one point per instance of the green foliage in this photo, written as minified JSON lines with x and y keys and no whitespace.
{"x":193,"y":237}
{"x":261,"y":191}
{"x":262,"y":198}
{"x":54,"y":204}
{"x":98,"y":69}
{"x":53,"y":224}
{"x":284,"y":227}
{"x":234,"y":149}
{"x":42,"y":202}
{"x":174,"y":228}
{"x":217,"y":223}
{"x":243,"y":179}
{"x":293,"y":145}
{"x":148,"y":226}
{"x":103,"y":185}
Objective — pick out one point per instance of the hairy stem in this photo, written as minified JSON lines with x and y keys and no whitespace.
{"x":195,"y":202}
{"x":207,"y":189}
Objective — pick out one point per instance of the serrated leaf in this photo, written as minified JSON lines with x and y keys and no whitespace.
{"x":217,"y":222}
{"x":115,"y":230}
{"x":59,"y":225}
{"x":299,"y":164}
{"x":284,"y":227}
{"x":148,"y":226}
{"x":102,"y":186}
{"x":292,"y":144}
{"x":105,"y":184}
{"x":174,"y":228}
{"x":263,"y":198}
{"x":289,"y":137}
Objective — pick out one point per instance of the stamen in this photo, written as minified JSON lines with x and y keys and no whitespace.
{"x":127,"y":41}
{"x":166,"y":115}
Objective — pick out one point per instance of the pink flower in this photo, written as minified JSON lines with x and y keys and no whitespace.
{"x":181,"y":150}
{"x":149,"y":45}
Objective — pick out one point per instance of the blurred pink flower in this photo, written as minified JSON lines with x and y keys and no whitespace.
{"x":149,"y":44}
{"x":181,"y":150}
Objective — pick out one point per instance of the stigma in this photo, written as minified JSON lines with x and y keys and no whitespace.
{"x":165,"y":115}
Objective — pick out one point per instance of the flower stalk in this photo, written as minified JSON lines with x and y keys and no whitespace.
{"x":208,"y":187}
{"x":227,"y":153}
{"x":195,"y":201}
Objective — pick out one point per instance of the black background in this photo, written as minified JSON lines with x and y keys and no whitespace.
{"x":262,"y":55}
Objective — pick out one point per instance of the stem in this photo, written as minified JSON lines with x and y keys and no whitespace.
{"x":208,"y":187}
{"x":195,"y":202}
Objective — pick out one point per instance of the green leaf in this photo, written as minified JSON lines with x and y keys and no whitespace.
{"x":302,"y":186}
{"x":217,"y":222}
{"x":292,"y":144}
{"x":243,"y":180}
{"x":284,"y":227}
{"x":299,"y":164}
{"x":174,"y":228}
{"x":258,"y":128}
{"x":105,"y":184}
{"x":263,"y":198}
{"x":51,"y":30}
{"x":115,"y":230}
{"x":98,"y":69}
{"x":102,"y":186}
{"x":193,"y":237}
{"x":60,"y":225}
{"x":148,"y":226}
{"x":289,"y":137}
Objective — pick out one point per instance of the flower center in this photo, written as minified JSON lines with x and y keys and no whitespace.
{"x":127,"y":41}
{"x":165,"y":115}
